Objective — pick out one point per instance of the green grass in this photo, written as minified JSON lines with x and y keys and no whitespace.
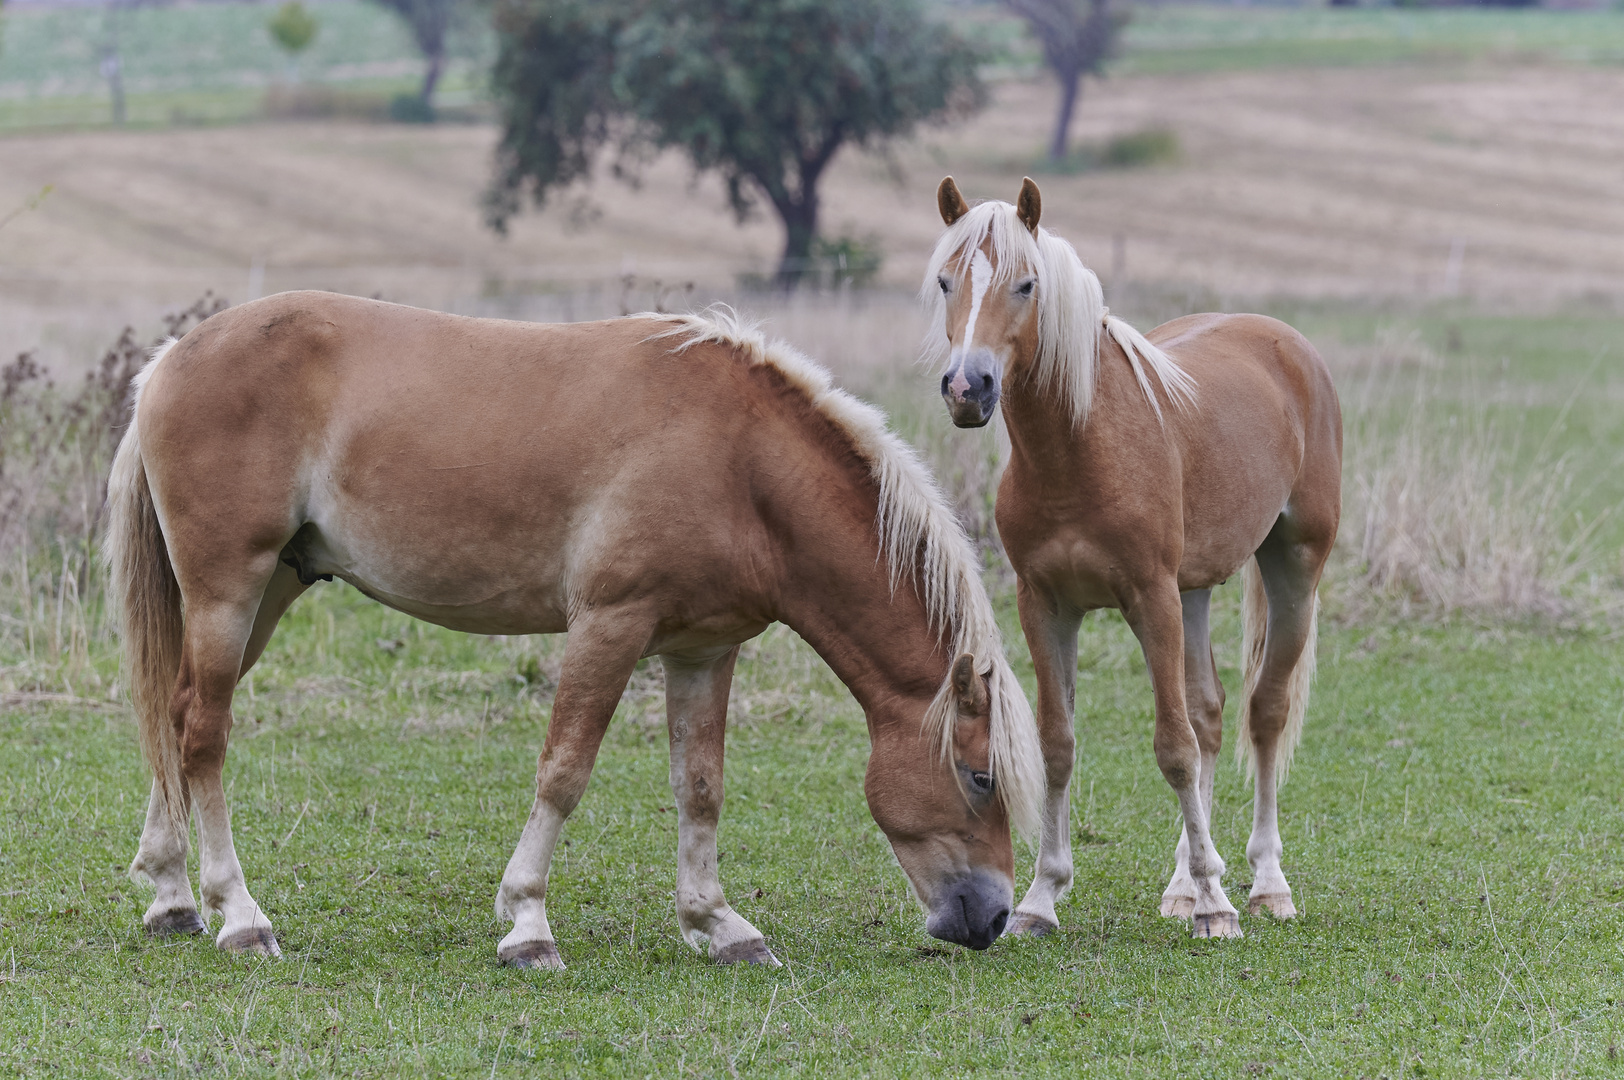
{"x":1452,"y":827}
{"x":206,"y":63}
{"x":1173,"y":40}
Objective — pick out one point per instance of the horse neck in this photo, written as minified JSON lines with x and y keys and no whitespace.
{"x":836,"y":594}
{"x":1046,"y":444}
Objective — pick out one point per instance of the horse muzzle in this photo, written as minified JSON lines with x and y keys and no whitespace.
{"x":972,"y":910}
{"x":971,"y":394}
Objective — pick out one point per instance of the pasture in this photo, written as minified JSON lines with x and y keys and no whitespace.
{"x":1452,"y":827}
{"x":1452,"y":823}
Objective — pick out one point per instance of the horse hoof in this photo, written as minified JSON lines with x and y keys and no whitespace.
{"x":540,"y":955}
{"x":1026,"y":924}
{"x":1220,"y":924}
{"x":176,"y":921}
{"x":1279,"y":905}
{"x":254,"y":941}
{"x":1178,"y":907}
{"x":747,"y":952}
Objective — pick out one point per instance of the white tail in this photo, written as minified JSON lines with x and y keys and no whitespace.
{"x":1254,"y":634}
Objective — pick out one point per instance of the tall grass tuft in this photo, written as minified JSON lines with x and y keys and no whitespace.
{"x":1453,"y":511}
{"x":56,"y":447}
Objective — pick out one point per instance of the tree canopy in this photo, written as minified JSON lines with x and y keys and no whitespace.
{"x":764,"y":93}
{"x":430,"y":23}
{"x":1078,"y":37}
{"x":292,"y":27}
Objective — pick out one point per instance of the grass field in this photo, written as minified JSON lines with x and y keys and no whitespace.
{"x":209,"y":63}
{"x":1452,"y":829}
{"x":206,"y":63}
{"x":1452,"y":824}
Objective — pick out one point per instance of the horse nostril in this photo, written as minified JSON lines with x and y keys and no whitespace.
{"x":945,"y":380}
{"x":986,"y":382}
{"x":996,"y":928}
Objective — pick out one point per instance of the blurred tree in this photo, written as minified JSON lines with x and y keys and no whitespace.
{"x":1078,"y":37}
{"x":764,"y":93}
{"x":293,"y":29}
{"x":430,"y":23}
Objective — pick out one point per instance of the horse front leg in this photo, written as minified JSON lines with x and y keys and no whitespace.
{"x":1204,"y":703}
{"x":1052,"y":639}
{"x":598,"y":660}
{"x":1157,"y":619}
{"x":696,"y":691}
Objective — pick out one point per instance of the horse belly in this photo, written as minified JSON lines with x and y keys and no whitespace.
{"x":477,"y":565}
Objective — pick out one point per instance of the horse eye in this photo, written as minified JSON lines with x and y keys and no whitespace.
{"x":982,"y":782}
{"x":942,"y":281}
{"x":1025,"y":288}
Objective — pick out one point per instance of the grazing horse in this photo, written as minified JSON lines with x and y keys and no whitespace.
{"x":1143,"y":470}
{"x":654,"y":485}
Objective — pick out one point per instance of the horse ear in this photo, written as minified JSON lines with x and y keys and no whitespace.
{"x":950,"y":201}
{"x":968,"y":686}
{"x":1029,"y":205}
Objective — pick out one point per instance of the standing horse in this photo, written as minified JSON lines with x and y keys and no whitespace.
{"x":1143,"y":470}
{"x":654,"y":485}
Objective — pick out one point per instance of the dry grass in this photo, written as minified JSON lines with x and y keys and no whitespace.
{"x":1347,"y":183}
{"x":56,"y":447}
{"x":1450,"y":505}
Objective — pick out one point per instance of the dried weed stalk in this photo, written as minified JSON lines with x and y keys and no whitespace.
{"x":56,"y":447}
{"x":1450,"y":513}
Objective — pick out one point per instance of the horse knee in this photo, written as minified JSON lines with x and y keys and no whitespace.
{"x":1059,"y":757}
{"x":1266,"y":719}
{"x":1178,"y":756}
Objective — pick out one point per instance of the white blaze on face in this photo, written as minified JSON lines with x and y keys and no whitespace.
{"x":980,"y":278}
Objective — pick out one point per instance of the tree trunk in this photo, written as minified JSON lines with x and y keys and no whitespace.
{"x":1059,"y":146}
{"x":431,"y":76}
{"x":800,"y":218}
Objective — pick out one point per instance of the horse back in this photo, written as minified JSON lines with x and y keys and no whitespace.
{"x":484,"y":474}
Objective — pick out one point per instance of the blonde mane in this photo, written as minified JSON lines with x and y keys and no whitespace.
{"x":1072,"y":316}
{"x":921,"y":540}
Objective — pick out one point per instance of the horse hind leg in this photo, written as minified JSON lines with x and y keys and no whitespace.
{"x":1281,"y":608}
{"x":161,"y":859}
{"x":218,"y":629}
{"x":161,"y":856}
{"x":1204,"y":701}
{"x":696,"y":691}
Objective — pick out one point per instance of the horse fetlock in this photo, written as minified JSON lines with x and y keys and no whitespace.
{"x":725,"y":936}
{"x":1213,"y":915}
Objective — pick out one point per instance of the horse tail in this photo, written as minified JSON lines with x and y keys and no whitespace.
{"x":1254,"y":635}
{"x":148,"y":597}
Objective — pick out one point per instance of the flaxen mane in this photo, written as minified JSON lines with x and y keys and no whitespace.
{"x":920,"y":538}
{"x":1072,"y":315}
